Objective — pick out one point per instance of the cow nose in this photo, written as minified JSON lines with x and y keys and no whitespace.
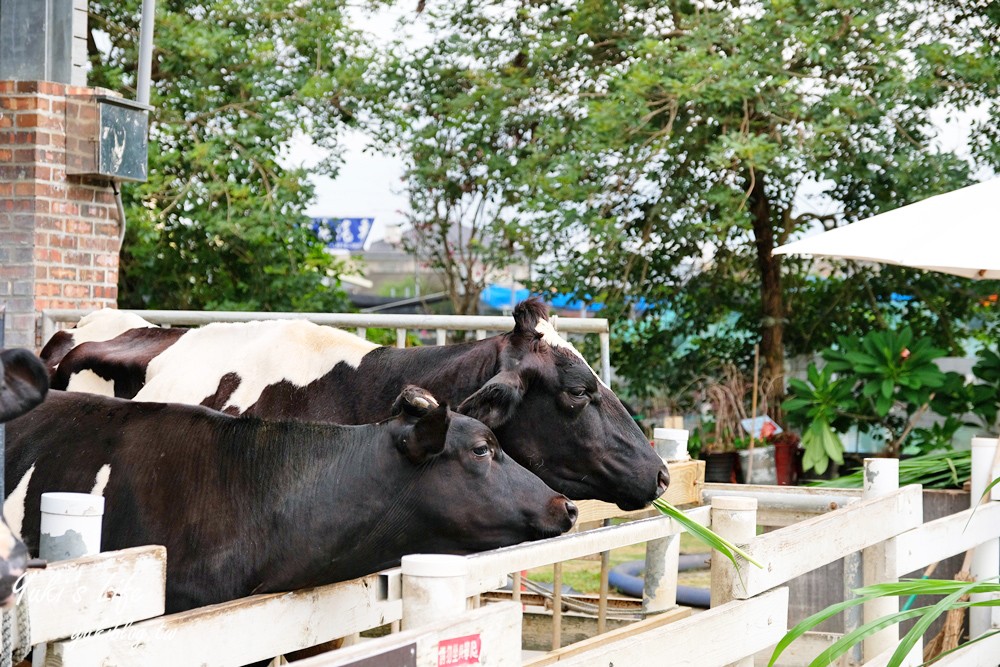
{"x":662,"y":481}
{"x":572,"y":511}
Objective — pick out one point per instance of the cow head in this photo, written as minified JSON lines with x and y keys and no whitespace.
{"x":572,"y":431}
{"x":472,"y":497}
{"x":24,"y":384}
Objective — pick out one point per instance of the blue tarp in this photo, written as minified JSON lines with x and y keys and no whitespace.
{"x":500,"y":297}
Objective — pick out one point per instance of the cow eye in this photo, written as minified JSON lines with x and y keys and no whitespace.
{"x":481,"y":450}
{"x":578,"y":392}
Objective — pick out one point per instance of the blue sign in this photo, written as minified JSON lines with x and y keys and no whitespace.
{"x":343,"y":233}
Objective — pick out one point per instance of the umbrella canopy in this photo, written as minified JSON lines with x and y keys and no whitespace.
{"x":957,"y":233}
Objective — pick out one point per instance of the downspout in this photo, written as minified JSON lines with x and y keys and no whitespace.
{"x":141,"y":91}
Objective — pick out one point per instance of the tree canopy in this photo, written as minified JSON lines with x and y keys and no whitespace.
{"x":220,"y":224}
{"x":654,"y":154}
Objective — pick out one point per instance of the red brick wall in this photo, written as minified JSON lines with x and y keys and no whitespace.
{"x":58,"y":233}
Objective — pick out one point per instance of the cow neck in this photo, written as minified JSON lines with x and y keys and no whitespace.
{"x":332,"y":496}
{"x":451,"y":373}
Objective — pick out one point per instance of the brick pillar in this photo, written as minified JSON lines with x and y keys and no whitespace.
{"x":58,"y":233}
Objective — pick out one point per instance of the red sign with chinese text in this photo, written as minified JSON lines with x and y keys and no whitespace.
{"x":459,"y":651}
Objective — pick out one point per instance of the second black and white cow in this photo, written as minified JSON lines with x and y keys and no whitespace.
{"x":247,"y":506}
{"x":548,"y":409}
{"x":23,"y":384}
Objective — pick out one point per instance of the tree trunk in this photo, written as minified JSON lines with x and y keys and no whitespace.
{"x":772,"y":325}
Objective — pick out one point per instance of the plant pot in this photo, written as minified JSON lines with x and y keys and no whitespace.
{"x":763,"y":470}
{"x":722,"y":467}
{"x":786,"y":463}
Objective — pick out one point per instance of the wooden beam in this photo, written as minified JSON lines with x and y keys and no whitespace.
{"x":795,"y":550}
{"x":94,"y":593}
{"x":237,"y":632}
{"x":493,"y":631}
{"x":939,"y":539}
{"x":715,"y":637}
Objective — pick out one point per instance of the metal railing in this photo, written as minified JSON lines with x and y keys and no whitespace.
{"x":441,"y":324}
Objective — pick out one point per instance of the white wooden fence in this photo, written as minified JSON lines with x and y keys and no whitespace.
{"x":105,"y":610}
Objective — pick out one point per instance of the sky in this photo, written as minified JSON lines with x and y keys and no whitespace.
{"x":369,"y":184}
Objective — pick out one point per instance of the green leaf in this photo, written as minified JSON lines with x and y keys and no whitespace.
{"x":709,"y":537}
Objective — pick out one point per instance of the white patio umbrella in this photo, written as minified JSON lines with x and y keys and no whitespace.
{"x":957,"y":232}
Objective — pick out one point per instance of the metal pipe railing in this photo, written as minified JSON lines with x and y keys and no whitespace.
{"x":481,"y":324}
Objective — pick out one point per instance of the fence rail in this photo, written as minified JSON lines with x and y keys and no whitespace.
{"x":481,"y":324}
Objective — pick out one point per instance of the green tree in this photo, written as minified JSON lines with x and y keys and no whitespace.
{"x":219,"y":224}
{"x":664,"y":149}
{"x":450,"y":125}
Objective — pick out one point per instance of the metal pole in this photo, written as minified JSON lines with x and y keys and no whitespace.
{"x":145,"y":51}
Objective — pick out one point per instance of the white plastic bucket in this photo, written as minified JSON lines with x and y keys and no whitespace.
{"x":671,"y":443}
{"x":71,"y":525}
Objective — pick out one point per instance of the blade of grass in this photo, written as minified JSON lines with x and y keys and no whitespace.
{"x":844,"y":644}
{"x":918,"y":629}
{"x":808,"y":624}
{"x":706,"y":535}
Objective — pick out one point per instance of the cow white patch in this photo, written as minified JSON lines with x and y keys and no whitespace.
{"x":260,"y":353}
{"x":552,"y":337}
{"x":90,"y":382}
{"x":101,"y":480}
{"x":13,"y":507}
{"x":106,"y":324}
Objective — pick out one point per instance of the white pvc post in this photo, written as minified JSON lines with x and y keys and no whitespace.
{"x":735,"y":518}
{"x":671,"y":443}
{"x":70,"y":525}
{"x":659,"y":591}
{"x":433,"y":588}
{"x":985,"y":557}
{"x":879,"y":561}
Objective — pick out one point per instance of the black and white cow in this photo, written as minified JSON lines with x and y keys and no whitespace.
{"x":548,"y":408}
{"x":245,"y":505}
{"x":23,"y":384}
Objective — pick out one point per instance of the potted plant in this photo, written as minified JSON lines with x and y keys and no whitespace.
{"x":729,"y":451}
{"x":786,"y":459}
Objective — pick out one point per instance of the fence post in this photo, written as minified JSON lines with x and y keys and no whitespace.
{"x":985,"y":557}
{"x":879,"y":561}
{"x":433,"y":588}
{"x":659,"y":591}
{"x":735,"y":518}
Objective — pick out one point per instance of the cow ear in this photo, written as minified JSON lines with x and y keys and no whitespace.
{"x":427,"y":437}
{"x":25,"y":383}
{"x":527,"y":315}
{"x":495,"y":403}
{"x":413,"y":402}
